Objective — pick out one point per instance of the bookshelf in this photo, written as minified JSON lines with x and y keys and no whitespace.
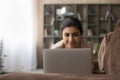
{"x":97,"y":20}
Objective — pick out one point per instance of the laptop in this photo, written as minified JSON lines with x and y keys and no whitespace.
{"x":75,"y":61}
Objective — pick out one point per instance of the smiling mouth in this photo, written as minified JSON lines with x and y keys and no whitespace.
{"x":71,"y":45}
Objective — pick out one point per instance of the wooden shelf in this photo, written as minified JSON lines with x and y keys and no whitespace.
{"x":94,"y":17}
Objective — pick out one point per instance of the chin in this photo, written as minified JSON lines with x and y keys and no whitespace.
{"x":70,"y":46}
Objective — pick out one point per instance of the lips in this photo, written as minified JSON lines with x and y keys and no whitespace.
{"x":71,"y":45}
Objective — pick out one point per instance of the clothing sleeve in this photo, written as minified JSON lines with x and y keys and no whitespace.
{"x":101,"y":54}
{"x":58,"y":45}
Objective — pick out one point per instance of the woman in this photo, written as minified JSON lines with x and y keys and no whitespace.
{"x":71,"y":30}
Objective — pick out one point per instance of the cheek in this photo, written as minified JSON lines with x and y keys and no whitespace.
{"x":77,"y":39}
{"x":65,"y":39}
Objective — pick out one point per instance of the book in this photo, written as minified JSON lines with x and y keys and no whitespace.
{"x":79,"y":16}
{"x":52,"y":21}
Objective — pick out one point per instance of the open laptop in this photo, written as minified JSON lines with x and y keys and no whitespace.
{"x":75,"y":61}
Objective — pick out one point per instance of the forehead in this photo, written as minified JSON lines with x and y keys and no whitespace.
{"x":71,"y":29}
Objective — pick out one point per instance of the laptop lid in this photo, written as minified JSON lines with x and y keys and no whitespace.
{"x":76,"y":61}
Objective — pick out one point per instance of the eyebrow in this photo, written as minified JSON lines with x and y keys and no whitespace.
{"x":73,"y":32}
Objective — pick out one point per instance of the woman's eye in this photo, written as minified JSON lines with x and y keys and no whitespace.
{"x":75,"y":35}
{"x":67,"y":35}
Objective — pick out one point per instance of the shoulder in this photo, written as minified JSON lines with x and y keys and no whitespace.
{"x":85,"y":44}
{"x":107,"y":38}
{"x":58,"y":45}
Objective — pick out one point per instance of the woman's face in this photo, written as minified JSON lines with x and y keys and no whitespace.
{"x":71,"y":37}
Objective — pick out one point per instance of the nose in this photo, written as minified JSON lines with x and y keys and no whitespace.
{"x":70,"y":38}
